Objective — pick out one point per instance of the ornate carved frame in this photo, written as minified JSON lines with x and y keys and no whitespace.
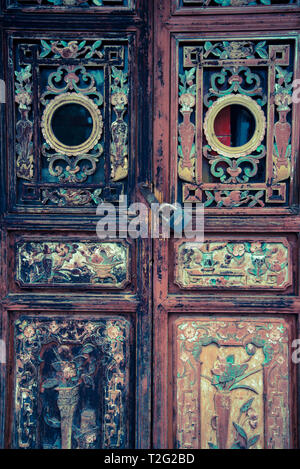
{"x":72,"y":98}
{"x":234,"y":191}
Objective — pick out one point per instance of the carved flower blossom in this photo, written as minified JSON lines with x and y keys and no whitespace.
{"x":118,"y":357}
{"x":189,"y":332}
{"x":187,"y":101}
{"x":68,"y":370}
{"x":23,"y":99}
{"x":275,"y":336}
{"x":33,"y":257}
{"x":25,"y":357}
{"x":253,"y":418}
{"x":255,"y":247}
{"x":89,"y":327}
{"x":220,"y":366}
{"x":113,"y":332}
{"x":184,"y":357}
{"x":91,"y":438}
{"x":238,"y":249}
{"x":67,"y":52}
{"x":53,"y":327}
{"x":283,"y":101}
{"x":29,"y":332}
{"x":62,"y":249}
{"x":119,"y":99}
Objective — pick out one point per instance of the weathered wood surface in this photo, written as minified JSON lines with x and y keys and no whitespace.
{"x":171,"y":302}
{"x":149,"y":31}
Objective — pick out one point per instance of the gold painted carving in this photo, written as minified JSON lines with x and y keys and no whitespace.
{"x":252,"y":144}
{"x":92,"y":108}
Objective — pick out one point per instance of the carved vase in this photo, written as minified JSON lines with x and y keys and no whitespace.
{"x":222,"y":401}
{"x":67,"y":402}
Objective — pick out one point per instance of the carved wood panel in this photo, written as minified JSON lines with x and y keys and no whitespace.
{"x":198,"y":6}
{"x":243,"y":263}
{"x":73,"y":6}
{"x":72,"y":382}
{"x":252,"y":77}
{"x":232,"y":382}
{"x":77,"y":314}
{"x":70,"y":101}
{"x":72,"y":264}
{"x":44,"y":262}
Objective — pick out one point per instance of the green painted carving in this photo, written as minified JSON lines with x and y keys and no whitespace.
{"x":24,"y":126}
{"x":244,"y":264}
{"x":231,"y":80}
{"x":231,"y":379}
{"x":239,"y":84}
{"x":64,"y":82}
{"x":119,"y":128}
{"x":186,"y":140}
{"x":233,"y":3}
{"x":72,"y":197}
{"x":71,"y":50}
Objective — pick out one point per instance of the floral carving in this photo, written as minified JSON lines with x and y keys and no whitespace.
{"x":244,"y":264}
{"x":60,"y":364}
{"x":186,"y":147}
{"x":223,"y":370}
{"x":225,"y":151}
{"x":119,"y":128}
{"x":73,"y":263}
{"x":24,"y":127}
{"x":233,"y":3}
{"x":71,"y":49}
{"x":282,"y":129}
{"x":68,"y":4}
{"x":60,"y":83}
{"x":72,"y":197}
{"x":69,"y":157}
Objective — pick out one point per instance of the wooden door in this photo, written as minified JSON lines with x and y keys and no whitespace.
{"x":211,"y":120}
{"x":226,"y":134}
{"x":75,"y":308}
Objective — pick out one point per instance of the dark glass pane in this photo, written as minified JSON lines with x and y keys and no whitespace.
{"x":234,"y":125}
{"x":72,"y":124}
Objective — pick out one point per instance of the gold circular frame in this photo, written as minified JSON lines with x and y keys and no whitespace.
{"x":70,"y":98}
{"x":253,"y":143}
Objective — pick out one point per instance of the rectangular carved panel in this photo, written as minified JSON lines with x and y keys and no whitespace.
{"x":70,"y":5}
{"x":236,"y":123}
{"x":232,"y":382}
{"x":72,"y":263}
{"x":71,"y":111}
{"x":244,"y":263}
{"x":71,"y":381}
{"x":213,"y":4}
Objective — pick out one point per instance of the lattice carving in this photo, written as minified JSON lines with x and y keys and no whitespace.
{"x":225,"y":161}
{"x":66,"y":154}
